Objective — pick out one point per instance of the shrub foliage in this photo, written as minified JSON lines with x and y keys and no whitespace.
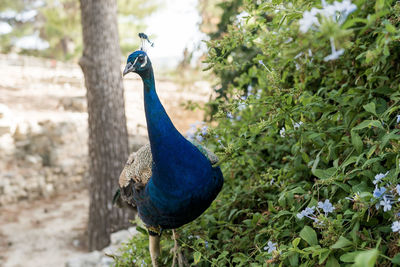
{"x":309,"y":143}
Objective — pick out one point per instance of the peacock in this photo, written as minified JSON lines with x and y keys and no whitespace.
{"x":171,"y":181}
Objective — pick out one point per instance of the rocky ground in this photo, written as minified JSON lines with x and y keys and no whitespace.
{"x":44,"y":232}
{"x":43,"y":154}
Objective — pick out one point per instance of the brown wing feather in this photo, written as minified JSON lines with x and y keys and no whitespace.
{"x":137,"y":168}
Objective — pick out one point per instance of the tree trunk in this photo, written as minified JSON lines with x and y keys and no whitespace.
{"x":108,"y":138}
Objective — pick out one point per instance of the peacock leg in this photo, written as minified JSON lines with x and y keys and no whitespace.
{"x":178,"y":253}
{"x":154,"y":247}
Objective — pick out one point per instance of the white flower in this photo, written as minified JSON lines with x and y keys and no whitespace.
{"x":270,"y":247}
{"x":298,"y":55}
{"x":338,"y":12}
{"x":306,"y":212}
{"x":301,"y":215}
{"x":199,"y":138}
{"x":204,"y":130}
{"x":335,"y":53}
{"x":378,"y":192}
{"x":288,"y":40}
{"x":240,"y":18}
{"x":386,"y":204}
{"x":282,"y":132}
{"x":397,"y":118}
{"x":329,"y":11}
{"x":379,"y":177}
{"x":309,"y":19}
{"x":262,"y":63}
{"x":5,"y":28}
{"x":190,"y":135}
{"x":241,"y":106}
{"x":297,"y":125}
{"x":326,"y":206}
{"x":396,"y":226}
{"x":398,"y":189}
{"x":249,"y":90}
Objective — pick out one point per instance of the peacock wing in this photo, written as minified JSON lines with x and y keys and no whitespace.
{"x":136,"y":174}
{"x":137,"y":168}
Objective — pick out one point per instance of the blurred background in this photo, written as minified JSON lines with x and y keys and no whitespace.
{"x":44,"y":198}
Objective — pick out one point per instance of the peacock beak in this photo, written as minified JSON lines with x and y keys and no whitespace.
{"x":128,"y":68}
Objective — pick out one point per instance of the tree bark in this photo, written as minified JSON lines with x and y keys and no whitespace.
{"x":108,"y":138}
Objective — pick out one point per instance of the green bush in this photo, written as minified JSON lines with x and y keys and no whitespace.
{"x":308,"y":135}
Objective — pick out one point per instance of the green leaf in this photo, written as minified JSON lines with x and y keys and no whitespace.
{"x":366,"y":258}
{"x":324,"y":174}
{"x":390,"y":28}
{"x":296,"y":242}
{"x":368,"y":124}
{"x":356,"y":141}
{"x":141,"y":230}
{"x":396,"y":259}
{"x":349,"y":257}
{"x":370,"y":107}
{"x":196,"y":257}
{"x":323,"y":256}
{"x":389,"y":136}
{"x":349,"y":161}
{"x":294,"y":259}
{"x":332,"y":262}
{"x":309,"y":235}
{"x":341,"y":243}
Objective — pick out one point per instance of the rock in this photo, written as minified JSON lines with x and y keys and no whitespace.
{"x":103,"y":258}
{"x":87,"y":260}
{"x":76,"y":243}
{"x":7,"y":144}
{"x":77,"y":103}
{"x":7,"y":122}
{"x":4,"y":111}
{"x":132,"y":230}
{"x":106,"y":261}
{"x":119,"y":237}
{"x":34,"y":159}
{"x":4,"y":129}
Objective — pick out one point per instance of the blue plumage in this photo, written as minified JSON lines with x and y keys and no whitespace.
{"x":183,"y":182}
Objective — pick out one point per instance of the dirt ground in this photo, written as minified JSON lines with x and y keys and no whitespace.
{"x":43,"y":233}
{"x":48,"y":231}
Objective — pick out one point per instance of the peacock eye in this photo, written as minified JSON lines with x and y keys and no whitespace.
{"x":141,"y":59}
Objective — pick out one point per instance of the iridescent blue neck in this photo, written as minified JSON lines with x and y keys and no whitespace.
{"x":164,"y":137}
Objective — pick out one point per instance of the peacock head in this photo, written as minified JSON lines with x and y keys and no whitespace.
{"x":137,"y":62}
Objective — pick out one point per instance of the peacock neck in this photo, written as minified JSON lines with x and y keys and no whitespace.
{"x":162,"y":133}
{"x":178,"y":164}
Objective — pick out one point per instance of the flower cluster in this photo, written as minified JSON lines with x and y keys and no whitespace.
{"x":308,"y":212}
{"x":199,"y":137}
{"x":383,"y":194}
{"x":338,"y":12}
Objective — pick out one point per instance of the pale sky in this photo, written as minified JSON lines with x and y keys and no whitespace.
{"x":175,"y":26}
{"x":172,"y":27}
